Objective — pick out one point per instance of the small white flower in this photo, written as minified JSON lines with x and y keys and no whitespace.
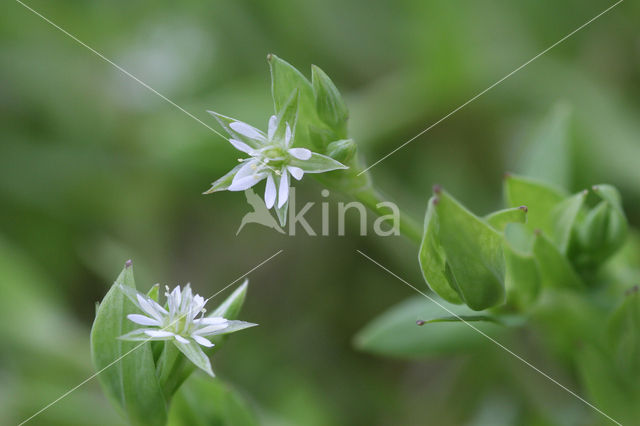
{"x":271,"y":157}
{"x":182,"y":320}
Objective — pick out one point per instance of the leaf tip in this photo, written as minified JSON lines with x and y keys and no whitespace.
{"x":421,"y":322}
{"x":524,"y":209}
{"x":437,"y":189}
{"x":128,"y":263}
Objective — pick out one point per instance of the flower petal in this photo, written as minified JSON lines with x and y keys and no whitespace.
{"x":273,"y":125}
{"x":143,"y":319}
{"x":300,"y":153}
{"x":210,"y":320}
{"x":241,"y":146}
{"x":181,"y":339}
{"x":246,"y":182}
{"x":270,"y":192}
{"x":210,"y":329}
{"x":247,"y":130}
{"x":159,"y":333}
{"x":283,"y":190}
{"x":150,"y":307}
{"x":201,"y":340}
{"x":287,"y":136}
{"x":296,"y":172}
{"x":231,"y":327}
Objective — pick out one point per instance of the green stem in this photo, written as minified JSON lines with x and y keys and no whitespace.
{"x":408,"y":227}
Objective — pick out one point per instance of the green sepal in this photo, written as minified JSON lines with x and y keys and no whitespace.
{"x":522,"y":278}
{"x":343,"y":150}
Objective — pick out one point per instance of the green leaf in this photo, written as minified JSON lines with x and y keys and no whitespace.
{"x":396,"y":334}
{"x":624,"y":334}
{"x":563,"y":218}
{"x":329,"y":104}
{"x":500,"y":219}
{"x":555,"y":269}
{"x":202,"y":401}
{"x":548,"y":153}
{"x":433,"y":259}
{"x":522,"y":279}
{"x":127,"y":369}
{"x":473,"y":253}
{"x":287,"y":115}
{"x":539,"y":197}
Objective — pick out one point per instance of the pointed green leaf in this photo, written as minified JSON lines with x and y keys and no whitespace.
{"x":127,"y":369}
{"x":329,"y":104}
{"x":203,"y":401}
{"x":433,"y":259}
{"x":522,"y":279}
{"x":500,"y":219}
{"x":548,"y":153}
{"x":396,"y":333}
{"x":563,"y":218}
{"x":539,"y":197}
{"x":231,"y":306}
{"x":624,"y":334}
{"x":555,"y":269}
{"x":473,"y":252}
{"x":287,"y":115}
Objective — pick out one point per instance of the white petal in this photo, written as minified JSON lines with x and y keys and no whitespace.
{"x":150,"y":307}
{"x":210,"y":320}
{"x":248,"y":168}
{"x":210,"y":329}
{"x":143,"y":320}
{"x":270,"y":192}
{"x":283,"y":190}
{"x":287,"y":136}
{"x":300,"y":153}
{"x":296,"y":172}
{"x":273,"y":125}
{"x":246,"y":182}
{"x":246,"y":130}
{"x":241,"y":146}
{"x":181,"y":339}
{"x":158,"y":333}
{"x":201,"y":340}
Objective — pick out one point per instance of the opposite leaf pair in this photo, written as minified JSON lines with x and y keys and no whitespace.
{"x":545,"y":238}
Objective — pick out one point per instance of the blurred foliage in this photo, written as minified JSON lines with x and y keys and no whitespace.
{"x":95,"y":169}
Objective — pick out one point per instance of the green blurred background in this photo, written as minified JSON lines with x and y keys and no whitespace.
{"x":95,"y":169}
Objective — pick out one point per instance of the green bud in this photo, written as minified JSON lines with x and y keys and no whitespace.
{"x":329,"y":103}
{"x":342,"y":150}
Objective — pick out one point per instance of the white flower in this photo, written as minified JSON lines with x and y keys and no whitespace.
{"x":271,"y":157}
{"x":182,"y":320}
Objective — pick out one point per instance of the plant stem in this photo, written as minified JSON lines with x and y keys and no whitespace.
{"x":408,"y":227}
